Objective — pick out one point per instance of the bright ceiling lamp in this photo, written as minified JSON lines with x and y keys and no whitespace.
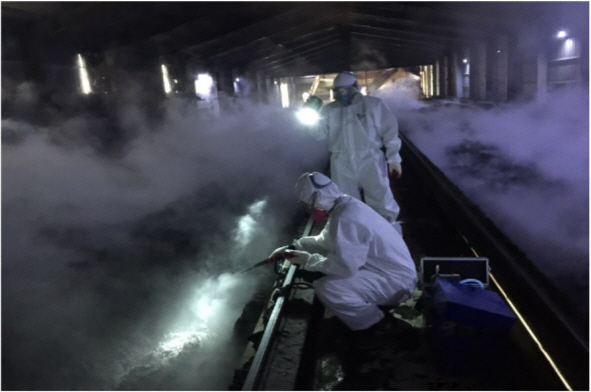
{"x":561,"y":34}
{"x":83,"y":74}
{"x":166,"y":79}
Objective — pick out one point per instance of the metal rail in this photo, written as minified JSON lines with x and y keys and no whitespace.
{"x":254,"y":371}
{"x":529,"y":289}
{"x":258,"y":362}
{"x":493,"y":240}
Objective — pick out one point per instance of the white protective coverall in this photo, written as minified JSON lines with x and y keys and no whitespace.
{"x":365,"y":259}
{"x":356,"y":134}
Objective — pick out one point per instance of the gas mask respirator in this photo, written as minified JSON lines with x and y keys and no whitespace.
{"x":318,"y":214}
{"x":345,"y":95}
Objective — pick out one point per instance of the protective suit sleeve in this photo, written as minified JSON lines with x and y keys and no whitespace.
{"x":314,"y":244}
{"x":349,"y":251}
{"x":388,"y":131}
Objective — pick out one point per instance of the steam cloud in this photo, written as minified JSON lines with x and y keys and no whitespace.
{"x":526,"y":166}
{"x":117,"y":267}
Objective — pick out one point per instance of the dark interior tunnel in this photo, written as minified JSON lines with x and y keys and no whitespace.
{"x":150,"y":151}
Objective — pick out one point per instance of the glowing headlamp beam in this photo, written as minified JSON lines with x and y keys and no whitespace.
{"x":203,"y":84}
{"x":308,"y":116}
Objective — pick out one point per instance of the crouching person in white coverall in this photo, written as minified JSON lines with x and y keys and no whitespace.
{"x":365,"y":260}
{"x":357,"y":128}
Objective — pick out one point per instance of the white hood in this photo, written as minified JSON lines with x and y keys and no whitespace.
{"x":327,"y":191}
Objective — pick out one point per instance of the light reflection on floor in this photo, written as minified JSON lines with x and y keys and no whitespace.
{"x":210,"y":311}
{"x":175,"y":342}
{"x":202,"y":329}
{"x":195,"y":350}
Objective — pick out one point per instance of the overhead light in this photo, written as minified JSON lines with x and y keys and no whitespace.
{"x":237,"y":79}
{"x":203,"y":84}
{"x":83,"y":74}
{"x":165,"y":79}
{"x":498,"y":51}
{"x":465,"y":61}
{"x":561,"y":34}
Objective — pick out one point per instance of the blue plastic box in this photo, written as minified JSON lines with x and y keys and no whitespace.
{"x":472,"y":306}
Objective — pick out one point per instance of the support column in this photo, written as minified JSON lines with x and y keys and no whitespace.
{"x":463,"y":71}
{"x":252,"y":88}
{"x":258,"y":85}
{"x":500,"y":70}
{"x":427,"y":80}
{"x":455,"y":77}
{"x":431,"y":74}
{"x":437,"y":79}
{"x":542,"y":76}
{"x":533,"y":64}
{"x":478,"y":72}
{"x":422,"y":75}
{"x":226,"y":82}
{"x":513,"y":70}
{"x":225,"y":87}
{"x":585,"y":58}
{"x":271,"y":91}
{"x":445,"y":77}
{"x":528,"y":73}
{"x":293,"y":97}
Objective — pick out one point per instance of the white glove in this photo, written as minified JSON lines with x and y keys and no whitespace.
{"x":395,"y":170}
{"x":278,"y":250}
{"x":298,"y":257}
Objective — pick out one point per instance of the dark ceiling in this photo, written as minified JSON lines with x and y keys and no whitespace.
{"x":282,"y":37}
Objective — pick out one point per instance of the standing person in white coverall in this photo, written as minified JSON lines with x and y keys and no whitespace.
{"x":365,"y":260}
{"x":357,"y":128}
